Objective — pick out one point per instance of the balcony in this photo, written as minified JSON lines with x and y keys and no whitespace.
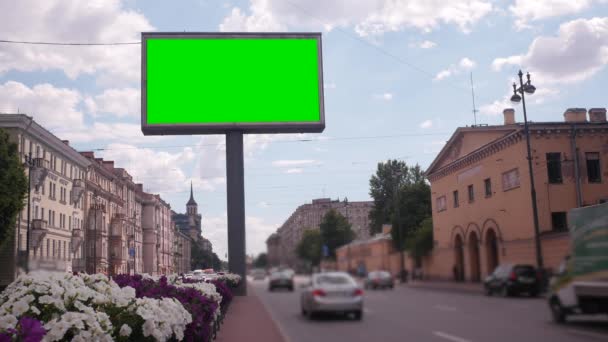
{"x":78,"y":187}
{"x":39,"y":230}
{"x":98,"y":206}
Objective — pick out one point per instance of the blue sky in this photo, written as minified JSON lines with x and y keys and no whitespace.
{"x":397,"y":84}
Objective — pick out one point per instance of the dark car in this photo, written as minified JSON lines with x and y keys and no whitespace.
{"x":512,"y":280}
{"x":281,"y":279}
{"x":379,"y":280}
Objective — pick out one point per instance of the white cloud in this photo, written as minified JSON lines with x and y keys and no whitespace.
{"x":526,"y":11}
{"x":160,"y":171}
{"x":427,"y":44}
{"x":495,"y":108}
{"x":426,"y":124}
{"x":294,"y":170}
{"x":73,"y":21}
{"x":368,"y":18}
{"x":384,"y":97}
{"x":119,"y":102}
{"x":50,"y":106}
{"x":465,"y":64}
{"x":289,"y":163}
{"x":100,"y":131}
{"x":579,"y":51}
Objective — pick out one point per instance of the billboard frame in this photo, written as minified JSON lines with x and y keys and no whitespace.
{"x":224,"y":128}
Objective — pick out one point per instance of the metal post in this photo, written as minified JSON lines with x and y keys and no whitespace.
{"x":539,"y":256}
{"x":235,"y":186}
{"x":29,"y":201}
{"x":95,"y":237}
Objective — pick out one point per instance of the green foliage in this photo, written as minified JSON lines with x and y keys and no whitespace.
{"x":261,"y":261}
{"x":421,"y":243}
{"x":382,"y":187}
{"x":401,"y":197}
{"x":13,"y":186}
{"x":309,"y":247}
{"x":202,"y":259}
{"x":335,"y":231}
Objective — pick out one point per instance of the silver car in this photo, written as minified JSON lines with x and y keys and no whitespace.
{"x":379,"y":280}
{"x":332,"y":292}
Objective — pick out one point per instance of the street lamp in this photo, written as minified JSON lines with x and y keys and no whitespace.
{"x":523,"y":89}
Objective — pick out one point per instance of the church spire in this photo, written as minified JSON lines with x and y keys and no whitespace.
{"x":191,"y":201}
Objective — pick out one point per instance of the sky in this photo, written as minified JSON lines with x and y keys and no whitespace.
{"x":397,"y":79}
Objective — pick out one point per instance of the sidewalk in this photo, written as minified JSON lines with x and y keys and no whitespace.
{"x":473,"y":288}
{"x":248,"y":320}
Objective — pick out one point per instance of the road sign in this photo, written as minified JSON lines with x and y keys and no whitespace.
{"x":210,"y":83}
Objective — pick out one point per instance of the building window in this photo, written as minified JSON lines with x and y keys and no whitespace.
{"x":441,"y":203}
{"x":554,"y":167}
{"x":510,"y":179}
{"x":593,"y":167}
{"x":559,"y":221}
{"x":471,"y":193}
{"x":488,"y":186}
{"x":455,"y":195}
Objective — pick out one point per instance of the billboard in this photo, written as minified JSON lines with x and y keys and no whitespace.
{"x":589,"y":233}
{"x":212,"y":83}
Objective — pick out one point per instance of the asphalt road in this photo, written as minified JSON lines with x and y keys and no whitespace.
{"x":408,"y":314}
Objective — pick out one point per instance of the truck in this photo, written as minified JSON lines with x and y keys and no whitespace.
{"x":580,"y":286}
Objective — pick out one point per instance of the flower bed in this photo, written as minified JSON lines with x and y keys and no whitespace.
{"x":66,"y":307}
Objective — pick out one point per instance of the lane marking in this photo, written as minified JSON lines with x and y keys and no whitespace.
{"x":445,"y":308}
{"x":450,"y":337}
{"x":600,"y":336}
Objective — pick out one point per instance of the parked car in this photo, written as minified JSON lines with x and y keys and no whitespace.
{"x":258,"y":274}
{"x":283,"y":279}
{"x":512,"y":280}
{"x":332,"y":292}
{"x":379,"y":280}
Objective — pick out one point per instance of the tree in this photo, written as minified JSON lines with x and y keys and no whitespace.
{"x":421,"y":243}
{"x":202,"y":259}
{"x":414,"y":205}
{"x":382,"y":187}
{"x":309,"y":247}
{"x":261,"y":261}
{"x":13,"y":187}
{"x":335,"y":231}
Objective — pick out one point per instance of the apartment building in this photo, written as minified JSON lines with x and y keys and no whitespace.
{"x":481,"y":191}
{"x":56,"y":203}
{"x":310,"y":215}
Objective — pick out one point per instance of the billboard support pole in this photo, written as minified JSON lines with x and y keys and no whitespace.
{"x":235,"y":186}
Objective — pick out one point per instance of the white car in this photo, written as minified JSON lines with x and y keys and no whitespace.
{"x":332,"y":292}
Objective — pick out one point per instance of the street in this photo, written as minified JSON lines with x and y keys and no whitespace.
{"x":429,"y":315}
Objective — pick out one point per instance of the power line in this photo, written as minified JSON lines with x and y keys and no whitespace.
{"x":6,"y":41}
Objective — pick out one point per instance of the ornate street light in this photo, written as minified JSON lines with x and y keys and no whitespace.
{"x":523,"y":89}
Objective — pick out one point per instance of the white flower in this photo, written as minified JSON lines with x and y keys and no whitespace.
{"x":20,"y":307}
{"x":125,"y":330}
{"x":7,"y":322}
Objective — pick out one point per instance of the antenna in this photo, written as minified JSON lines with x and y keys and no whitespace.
{"x":473,"y":96}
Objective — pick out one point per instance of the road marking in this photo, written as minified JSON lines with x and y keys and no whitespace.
{"x":444,"y":308}
{"x":600,"y":336}
{"x":450,"y":337}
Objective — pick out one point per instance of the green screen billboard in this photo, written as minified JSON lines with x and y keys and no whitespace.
{"x":206,"y":83}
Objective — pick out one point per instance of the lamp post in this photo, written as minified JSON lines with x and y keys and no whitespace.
{"x":523,"y":89}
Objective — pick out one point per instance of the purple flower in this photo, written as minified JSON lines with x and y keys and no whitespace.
{"x":31,"y":329}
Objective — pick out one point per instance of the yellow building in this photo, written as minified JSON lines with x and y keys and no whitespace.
{"x":481,"y":193}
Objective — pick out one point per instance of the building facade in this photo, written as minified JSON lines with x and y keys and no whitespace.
{"x":273,"y":246}
{"x":56,"y":216}
{"x":481,"y":193}
{"x":310,"y":215}
{"x":182,"y":252}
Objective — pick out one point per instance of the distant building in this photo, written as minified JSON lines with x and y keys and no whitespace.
{"x":273,"y":247}
{"x":480,"y":185}
{"x":309,"y":216}
{"x":190,"y":222}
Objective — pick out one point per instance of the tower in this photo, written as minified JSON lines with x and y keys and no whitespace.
{"x":191,"y":206}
